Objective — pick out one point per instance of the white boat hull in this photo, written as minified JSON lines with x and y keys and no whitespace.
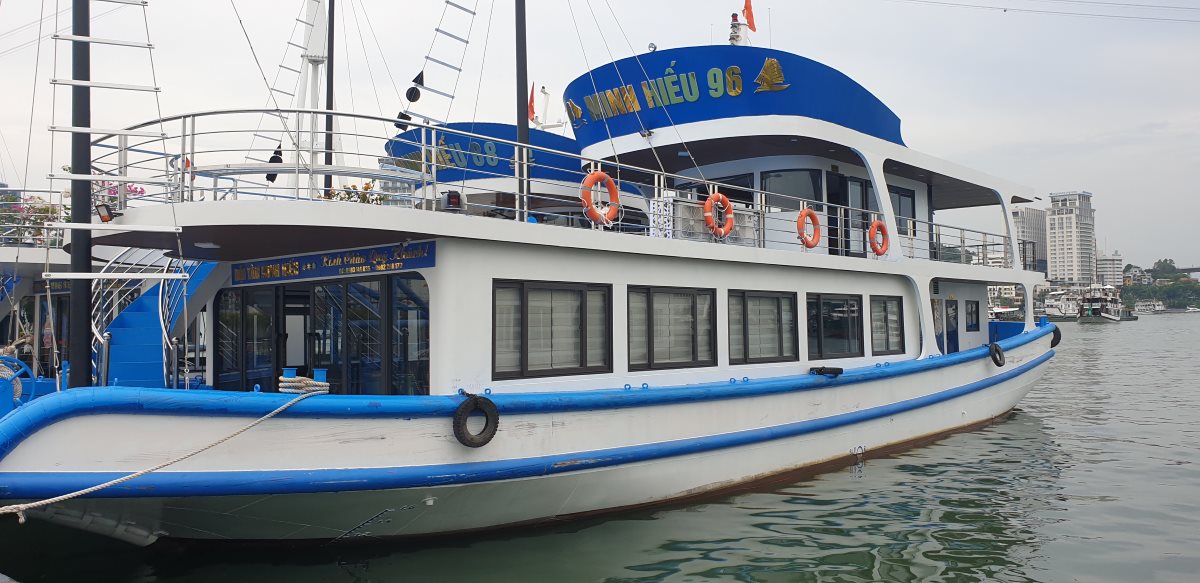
{"x":320,"y":478}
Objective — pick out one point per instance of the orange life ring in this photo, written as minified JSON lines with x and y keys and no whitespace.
{"x":612,"y":210}
{"x":808,"y":216}
{"x":710,"y":220}
{"x":877,"y":227}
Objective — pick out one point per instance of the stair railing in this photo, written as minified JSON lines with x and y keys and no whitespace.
{"x":172,"y":302}
{"x":110,"y":296}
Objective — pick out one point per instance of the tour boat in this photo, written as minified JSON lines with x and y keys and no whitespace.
{"x":1149,"y":307}
{"x":1102,"y":303}
{"x":734,"y":271}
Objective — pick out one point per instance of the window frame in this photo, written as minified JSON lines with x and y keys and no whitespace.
{"x":817,"y":205}
{"x":821,"y":326}
{"x":583,"y":288}
{"x":967,"y":312}
{"x":746,"y":359}
{"x":904,"y":227}
{"x":712,"y":327}
{"x":699,"y":189}
{"x":900,"y":303}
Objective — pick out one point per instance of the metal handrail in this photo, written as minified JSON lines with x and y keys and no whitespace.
{"x":554,"y":200}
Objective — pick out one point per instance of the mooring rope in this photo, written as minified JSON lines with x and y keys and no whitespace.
{"x":21,"y":509}
{"x":10,"y":374}
{"x":301,"y":385}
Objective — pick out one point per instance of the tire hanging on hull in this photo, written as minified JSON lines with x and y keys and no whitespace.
{"x":491,"y":417}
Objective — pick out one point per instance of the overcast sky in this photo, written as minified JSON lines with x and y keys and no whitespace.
{"x":1111,"y":106}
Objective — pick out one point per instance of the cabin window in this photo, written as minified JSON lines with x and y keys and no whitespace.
{"x":762,"y":327}
{"x":671,"y":328}
{"x":551,"y":329}
{"x":410,"y":334}
{"x":739,"y":188}
{"x":229,"y":331}
{"x":972,"y":315}
{"x":904,"y":203}
{"x":258,"y":336}
{"x":834,"y":326}
{"x":887,"y":325}
{"x":794,"y":186}
{"x":368,"y":341}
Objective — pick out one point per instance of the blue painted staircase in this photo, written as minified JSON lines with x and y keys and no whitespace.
{"x":136,"y":354}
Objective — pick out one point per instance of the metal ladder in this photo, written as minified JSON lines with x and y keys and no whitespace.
{"x":439,"y":77}
{"x":287,"y":80}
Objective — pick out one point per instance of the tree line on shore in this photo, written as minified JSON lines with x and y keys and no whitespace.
{"x":1180,"y":290}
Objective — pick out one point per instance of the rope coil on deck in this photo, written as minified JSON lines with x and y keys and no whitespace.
{"x":21,"y":509}
{"x":11,"y":376}
{"x":7,"y":372}
{"x":301,"y":385}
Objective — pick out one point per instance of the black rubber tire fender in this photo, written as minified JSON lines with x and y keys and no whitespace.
{"x":997,"y":354}
{"x":1054,"y":340}
{"x":491,"y":416}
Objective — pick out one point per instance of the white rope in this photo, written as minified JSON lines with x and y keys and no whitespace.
{"x":301,"y":385}
{"x":21,"y":509}
{"x":8,"y":373}
{"x":666,"y":111}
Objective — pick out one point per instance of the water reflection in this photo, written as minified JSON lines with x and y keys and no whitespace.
{"x":1094,"y":479}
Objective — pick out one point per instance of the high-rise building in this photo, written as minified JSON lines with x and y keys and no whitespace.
{"x":1071,"y":238}
{"x":1109,"y":269}
{"x":1030,"y":225}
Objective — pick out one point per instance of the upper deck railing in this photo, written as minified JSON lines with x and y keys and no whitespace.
{"x":23,"y":223}
{"x":204,"y":157}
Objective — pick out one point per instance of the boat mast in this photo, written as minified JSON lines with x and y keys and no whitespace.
{"x":522,"y":117}
{"x":522,"y":77}
{"x":79,"y":333}
{"x":329,"y":99}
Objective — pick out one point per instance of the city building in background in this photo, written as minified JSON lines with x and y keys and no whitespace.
{"x":1071,"y":238}
{"x":1109,"y":269}
{"x":1030,"y":224}
{"x":1137,"y":276}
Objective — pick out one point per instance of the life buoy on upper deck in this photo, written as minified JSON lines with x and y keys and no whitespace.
{"x":879,"y":246}
{"x":808,"y":216}
{"x":710,"y":220}
{"x":594,"y":213}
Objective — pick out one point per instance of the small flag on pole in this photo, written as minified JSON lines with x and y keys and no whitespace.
{"x":748,"y":14}
{"x":532,"y":115}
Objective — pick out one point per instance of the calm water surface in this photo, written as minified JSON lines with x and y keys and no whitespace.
{"x":1096,"y":477}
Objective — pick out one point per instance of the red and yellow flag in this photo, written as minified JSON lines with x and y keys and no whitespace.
{"x":748,"y":14}
{"x":532,"y":115}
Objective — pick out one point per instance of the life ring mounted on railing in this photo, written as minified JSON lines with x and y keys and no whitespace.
{"x":878,"y":245}
{"x":608,"y":214}
{"x":710,"y":219}
{"x":808,"y":216}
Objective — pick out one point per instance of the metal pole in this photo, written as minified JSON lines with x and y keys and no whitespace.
{"x":79,"y":332}
{"x":522,"y":154}
{"x":522,"y":77}
{"x":329,"y":99}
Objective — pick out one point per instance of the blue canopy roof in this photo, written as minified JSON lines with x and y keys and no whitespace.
{"x":692,"y":84}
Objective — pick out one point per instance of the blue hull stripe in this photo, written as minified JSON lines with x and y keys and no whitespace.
{"x":21,"y":485}
{"x":32,"y":417}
